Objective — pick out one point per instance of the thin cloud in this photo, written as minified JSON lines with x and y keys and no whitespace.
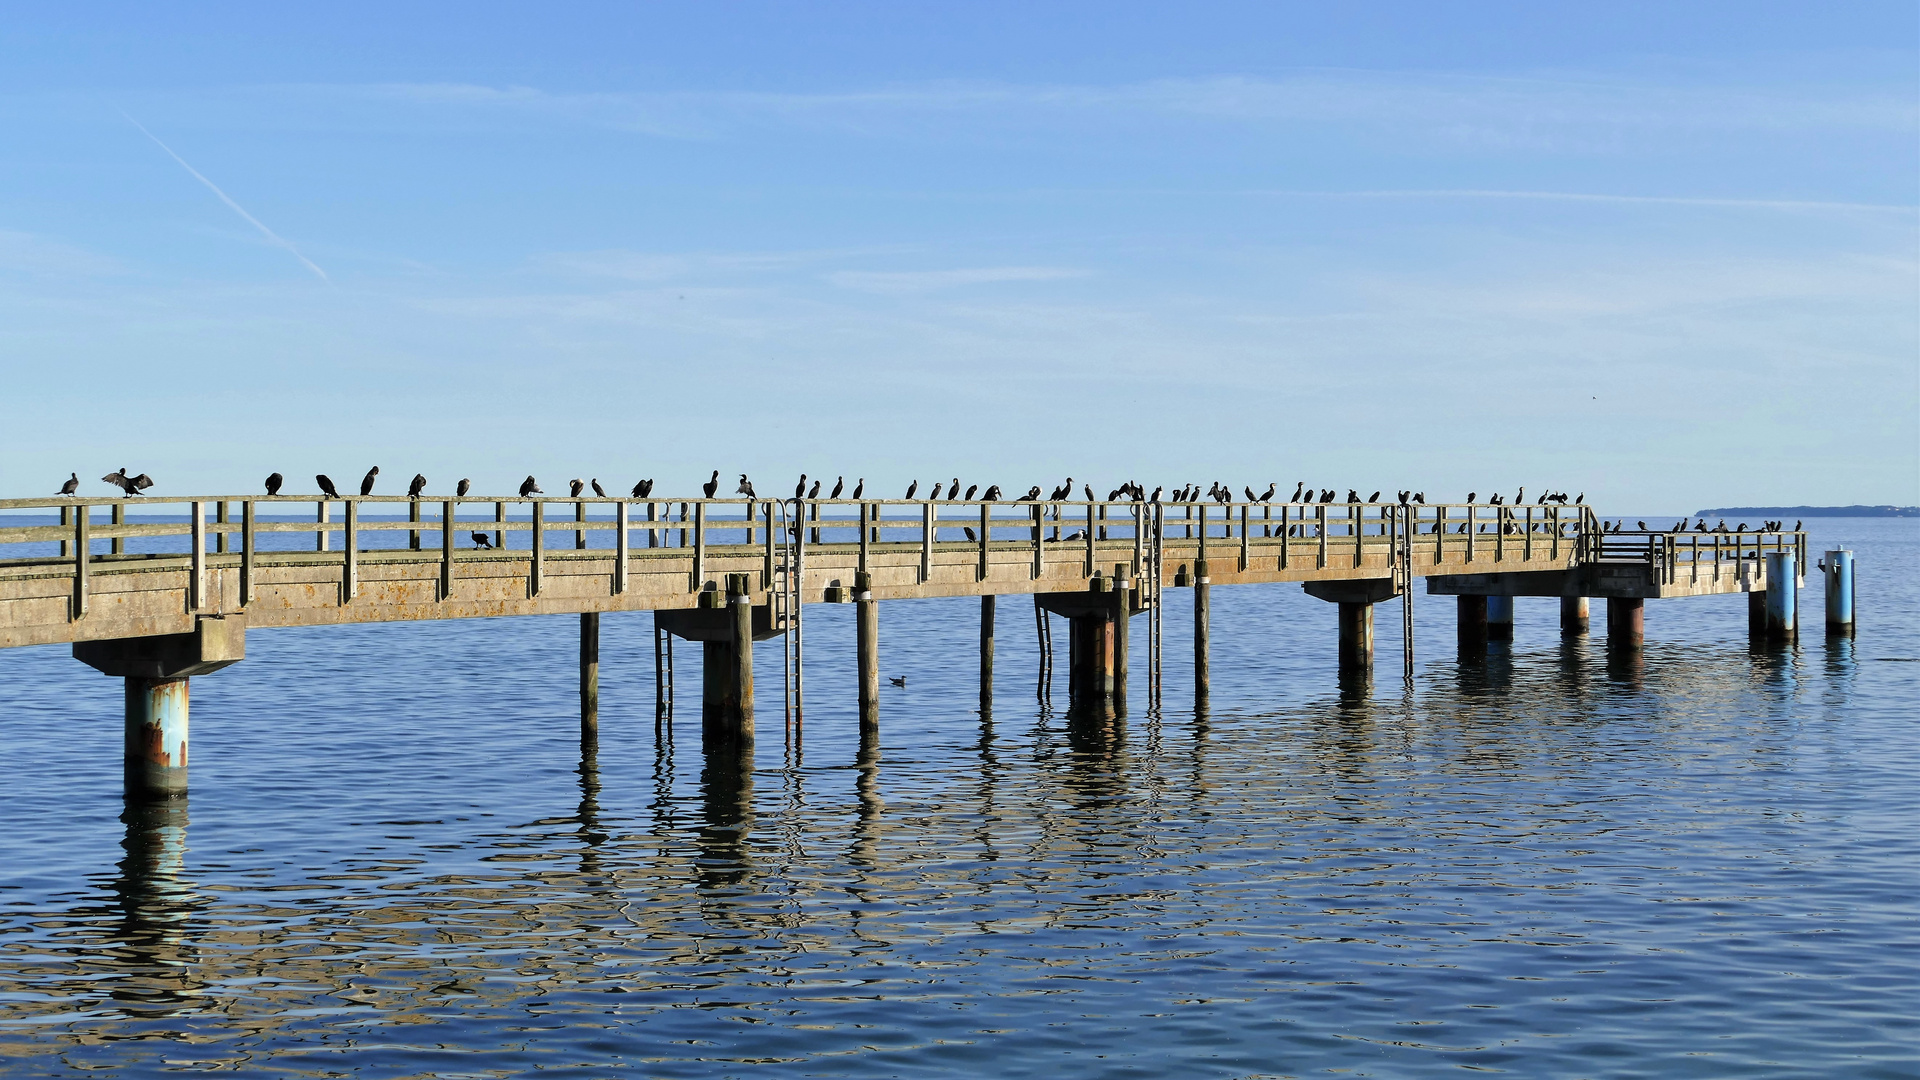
{"x":272,"y":236}
{"x":1580,"y":196}
{"x":927,"y":280}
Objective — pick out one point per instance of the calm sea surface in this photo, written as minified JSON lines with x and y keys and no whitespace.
{"x":397,"y":861}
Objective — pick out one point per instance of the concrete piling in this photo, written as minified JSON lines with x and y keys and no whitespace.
{"x":1837,"y":569}
{"x":1500,"y":618}
{"x":156,"y":737}
{"x":1626,"y":622}
{"x":1783,"y":592}
{"x":867,"y":630}
{"x":1471,"y":621}
{"x":1356,"y":637}
{"x":1573,"y":615}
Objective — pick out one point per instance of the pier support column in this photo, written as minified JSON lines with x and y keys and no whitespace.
{"x":1472,"y":622}
{"x":589,"y":676}
{"x":1097,"y":646}
{"x":1626,"y":622}
{"x":726,"y":678}
{"x":1837,"y":568}
{"x":156,"y":670}
{"x":1500,"y":618}
{"x":1783,"y":594}
{"x":1757,"y":614}
{"x":986,"y":654}
{"x":1573,"y":615}
{"x":1356,"y":638}
{"x":1202,"y":642}
{"x":867,"y":631}
{"x":156,"y":737}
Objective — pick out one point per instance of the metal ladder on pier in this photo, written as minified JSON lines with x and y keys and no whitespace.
{"x":789,"y":573}
{"x":1153,"y":570}
{"x":1402,"y":558}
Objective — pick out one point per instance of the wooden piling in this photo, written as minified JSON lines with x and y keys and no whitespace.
{"x":1500,"y":618}
{"x":986,"y":654}
{"x":867,"y":630}
{"x":589,"y":677}
{"x":1626,"y":622}
{"x":1356,"y":637}
{"x":1573,"y":615}
{"x":1202,"y":646}
{"x":1471,"y":624}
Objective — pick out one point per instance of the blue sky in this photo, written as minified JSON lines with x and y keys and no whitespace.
{"x":1665,"y":257}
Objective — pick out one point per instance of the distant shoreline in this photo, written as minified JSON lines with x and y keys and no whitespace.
{"x":1814,"y":511}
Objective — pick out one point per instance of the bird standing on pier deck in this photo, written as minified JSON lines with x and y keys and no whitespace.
{"x":465,"y":485}
{"x":643,"y":489}
{"x":326,"y":485}
{"x":73,"y":484}
{"x":745,"y":488}
{"x":481,"y":540}
{"x":911,"y":488}
{"x":712,"y":485}
{"x":419,"y":485}
{"x":597,"y":489}
{"x":839,"y":485}
{"x":530,"y":487}
{"x":274,"y":480}
{"x":366,"y":482}
{"x":575,"y":486}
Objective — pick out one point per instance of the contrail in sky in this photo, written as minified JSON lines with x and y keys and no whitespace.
{"x":251,"y":220}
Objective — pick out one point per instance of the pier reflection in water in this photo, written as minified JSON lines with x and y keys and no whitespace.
{"x":1547,"y":851}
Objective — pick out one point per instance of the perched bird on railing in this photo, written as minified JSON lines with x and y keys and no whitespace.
{"x":971,"y":488}
{"x":1251,"y":497}
{"x":465,"y":485}
{"x":839,"y":484}
{"x":1353,"y":496}
{"x":859,"y":487}
{"x":1156,"y":494}
{"x":953,"y":490}
{"x":274,"y":480}
{"x":597,"y":489}
{"x":643,"y":489}
{"x":1796,"y":524}
{"x":73,"y":484}
{"x":1700,"y":526}
{"x":481,"y":540}
{"x":745,"y":488}
{"x":1420,"y":497}
{"x":419,"y":485}
{"x":1297,"y":489}
{"x":800,"y":489}
{"x":992,"y":494}
{"x":1064,"y":491}
{"x":1580,"y":498}
{"x":969,"y":531}
{"x":911,"y":488}
{"x":366,"y":482}
{"x":1642,"y":524}
{"x":712,"y":485}
{"x":934,"y":495}
{"x":132,"y":485}
{"x":326,"y":485}
{"x":530,"y":487}
{"x":1520,"y":497}
{"x":1032,"y":495}
{"x":1088,"y":488}
{"x":575,"y":486}
{"x":814,"y":493}
{"x":1742,"y":528}
{"x":1373,"y":498}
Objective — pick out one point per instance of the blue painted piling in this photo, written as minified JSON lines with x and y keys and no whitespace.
{"x":1782,"y":594}
{"x":1838,"y":566}
{"x":1500,"y":618}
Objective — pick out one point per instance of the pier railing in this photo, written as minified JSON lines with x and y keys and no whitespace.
{"x":1695,"y":557}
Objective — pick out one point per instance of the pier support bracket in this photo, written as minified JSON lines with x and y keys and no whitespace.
{"x":156,"y":670}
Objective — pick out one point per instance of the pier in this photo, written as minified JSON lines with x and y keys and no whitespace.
{"x":728,"y":572}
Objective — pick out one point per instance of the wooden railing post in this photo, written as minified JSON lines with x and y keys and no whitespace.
{"x":119,"y":546}
{"x":322,"y":517}
{"x":350,"y":567}
{"x":220,"y":535}
{"x":82,"y":552}
{"x":1245,"y":511}
{"x":247,"y":545}
{"x":986,"y":531}
{"x":926,"y":541}
{"x":699,"y":544}
{"x":620,"y":543}
{"x":539,"y":548}
{"x":449,"y":517}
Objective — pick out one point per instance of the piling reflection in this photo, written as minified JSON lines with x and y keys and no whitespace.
{"x":587,"y":817}
{"x":152,"y":946}
{"x":726,"y":801}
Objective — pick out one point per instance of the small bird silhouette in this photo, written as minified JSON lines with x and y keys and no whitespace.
{"x":73,"y":484}
{"x":132,"y":485}
{"x":465,"y":485}
{"x":800,"y":489}
{"x":712,"y":485}
{"x":934,"y":495}
{"x":898,"y":680}
{"x":911,"y":488}
{"x":860,"y":488}
{"x":992,"y":494}
{"x":1642,"y":524}
{"x":597,"y":489}
{"x":971,"y":488}
{"x":366,"y":482}
{"x":814,"y":491}
{"x":1156,"y":493}
{"x":530,"y":487}
{"x":481,"y":540}
{"x":643,"y":489}
{"x":419,"y":485}
{"x":969,"y":531}
{"x":839,"y":485}
{"x":1471,"y":495}
{"x":575,"y":487}
{"x":274,"y":480}
{"x":745,"y":488}
{"x":326,"y":485}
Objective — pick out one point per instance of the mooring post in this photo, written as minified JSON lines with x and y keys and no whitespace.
{"x":589,"y":676}
{"x":726,"y":677}
{"x":1471,"y":622}
{"x":740,"y":690}
{"x":1626,"y":622}
{"x":986,"y":654}
{"x":1500,"y":618}
{"x":1356,"y":638}
{"x":156,"y":737}
{"x":1783,"y":594}
{"x":867,"y":630}
{"x":1202,"y":678}
{"x":1837,"y":568}
{"x":1573,"y":615}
